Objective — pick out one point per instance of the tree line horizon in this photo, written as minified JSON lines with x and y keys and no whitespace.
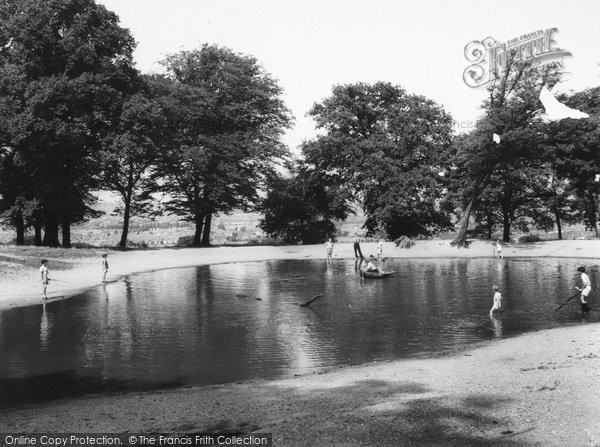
{"x":204,"y":139}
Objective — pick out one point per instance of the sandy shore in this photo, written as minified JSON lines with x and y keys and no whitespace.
{"x":537,"y":389}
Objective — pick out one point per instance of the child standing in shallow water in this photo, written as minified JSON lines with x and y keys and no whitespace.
{"x":585,"y":289}
{"x":498,"y":249}
{"x":45,"y":279}
{"x":497,"y":299}
{"x":357,"y":250}
{"x":104,"y":267}
{"x":329,"y":248}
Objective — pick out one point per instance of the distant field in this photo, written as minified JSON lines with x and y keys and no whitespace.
{"x":165,"y":231}
{"x":234,"y":229}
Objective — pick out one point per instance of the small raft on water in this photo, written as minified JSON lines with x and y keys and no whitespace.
{"x":377,"y":274}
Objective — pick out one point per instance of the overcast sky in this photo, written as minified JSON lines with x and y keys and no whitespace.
{"x":310,"y":45}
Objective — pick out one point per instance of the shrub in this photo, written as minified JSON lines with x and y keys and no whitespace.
{"x":185,"y":241}
{"x":266,"y":241}
{"x":83,"y":245}
{"x":530,"y":238}
{"x":404,"y":242}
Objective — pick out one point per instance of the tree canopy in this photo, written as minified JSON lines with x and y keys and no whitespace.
{"x":228,"y":118}
{"x":64,"y":65}
{"x":303,"y":207}
{"x":389,"y":148}
{"x":206,"y":137}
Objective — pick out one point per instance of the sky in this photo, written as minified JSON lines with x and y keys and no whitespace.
{"x":309,"y":46}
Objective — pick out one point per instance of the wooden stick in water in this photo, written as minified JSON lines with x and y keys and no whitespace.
{"x":308,"y":303}
{"x":570,"y":298}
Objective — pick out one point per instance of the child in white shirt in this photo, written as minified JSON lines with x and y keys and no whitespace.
{"x":497,"y":299}
{"x":329,"y":248}
{"x":498,"y":249}
{"x":585,"y":289}
{"x":104,"y":267}
{"x":44,"y":278}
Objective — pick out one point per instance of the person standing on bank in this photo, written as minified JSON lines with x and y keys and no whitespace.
{"x":44,"y":277}
{"x":585,"y":289}
{"x":379,"y":250}
{"x":104,"y":267}
{"x":357,"y":251}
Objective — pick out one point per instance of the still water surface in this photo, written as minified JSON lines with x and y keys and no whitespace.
{"x":232,"y":322}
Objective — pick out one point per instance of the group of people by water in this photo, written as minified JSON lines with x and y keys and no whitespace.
{"x":368,"y":265}
{"x":584,"y":289}
{"x":44,"y":273}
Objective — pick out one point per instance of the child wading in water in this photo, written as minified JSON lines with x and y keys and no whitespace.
{"x":104,"y":267}
{"x":498,"y":249}
{"x":45,"y":279}
{"x":329,"y":248}
{"x":357,"y":250}
{"x":585,"y":289}
{"x":497,"y":299}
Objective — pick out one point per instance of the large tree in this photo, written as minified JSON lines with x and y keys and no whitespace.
{"x":510,"y":112}
{"x":64,"y":67}
{"x":131,"y":149}
{"x":389,"y":148}
{"x":573,"y":146}
{"x":228,"y":117}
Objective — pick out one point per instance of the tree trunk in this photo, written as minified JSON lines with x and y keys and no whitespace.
{"x":199,"y":220}
{"x":37,"y":230}
{"x":20,"y":227}
{"x":591,"y":212}
{"x":51,"y":232}
{"x":558,"y":225}
{"x":506,"y":226}
{"x":206,"y":234}
{"x":461,"y":236}
{"x":66,"y":233}
{"x":126,"y":216}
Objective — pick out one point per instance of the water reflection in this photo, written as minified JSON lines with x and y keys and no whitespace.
{"x":231,"y":322}
{"x":497,"y":326}
{"x":45,"y":326}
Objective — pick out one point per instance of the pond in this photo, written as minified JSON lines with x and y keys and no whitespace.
{"x":231,"y":322}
